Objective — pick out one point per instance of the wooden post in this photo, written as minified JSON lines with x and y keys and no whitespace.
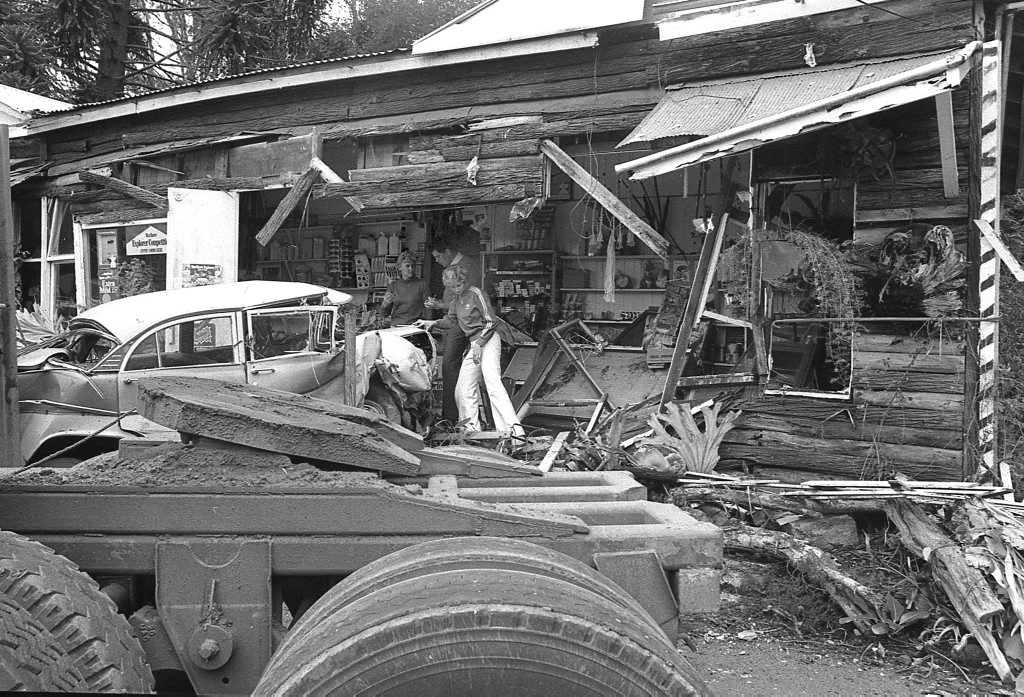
{"x":703,"y":276}
{"x":10,"y":440}
{"x":757,"y":296}
{"x":352,"y":397}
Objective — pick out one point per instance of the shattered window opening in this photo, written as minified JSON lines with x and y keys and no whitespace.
{"x":296,"y":330}
{"x":808,"y":227}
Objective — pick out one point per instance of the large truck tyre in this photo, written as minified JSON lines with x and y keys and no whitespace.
{"x":464,"y":553}
{"x":31,"y":660}
{"x":71,"y":607}
{"x":480,"y":631}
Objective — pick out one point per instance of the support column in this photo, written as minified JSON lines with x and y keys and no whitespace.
{"x":10,"y":444}
{"x":987,"y":130}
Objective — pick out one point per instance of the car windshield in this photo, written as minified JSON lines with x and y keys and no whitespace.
{"x":83,"y":346}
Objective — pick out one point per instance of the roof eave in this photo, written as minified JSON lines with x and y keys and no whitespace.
{"x":273,"y":81}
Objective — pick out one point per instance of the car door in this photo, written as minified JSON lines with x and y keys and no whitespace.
{"x":292,"y":348}
{"x":203,"y":346}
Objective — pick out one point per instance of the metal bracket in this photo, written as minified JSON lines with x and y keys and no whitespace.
{"x":223,"y":638}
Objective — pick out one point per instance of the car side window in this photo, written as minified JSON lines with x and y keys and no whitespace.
{"x":292,"y":331}
{"x":205,"y":341}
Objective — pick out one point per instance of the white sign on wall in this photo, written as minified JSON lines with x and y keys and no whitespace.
{"x":149,"y":241}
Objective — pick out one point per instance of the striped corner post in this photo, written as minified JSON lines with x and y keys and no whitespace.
{"x":988,"y":272}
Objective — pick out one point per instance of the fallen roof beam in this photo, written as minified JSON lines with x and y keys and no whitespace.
{"x":622,"y":212}
{"x":331,"y":177}
{"x":136,"y":192}
{"x":299,"y":191}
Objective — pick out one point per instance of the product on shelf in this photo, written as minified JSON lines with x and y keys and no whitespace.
{"x":362,"y":268}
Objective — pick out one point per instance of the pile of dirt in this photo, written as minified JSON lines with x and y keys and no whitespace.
{"x":195,"y":468}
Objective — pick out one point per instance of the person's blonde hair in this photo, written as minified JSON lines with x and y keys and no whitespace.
{"x":407,"y":256}
{"x":453,"y":274}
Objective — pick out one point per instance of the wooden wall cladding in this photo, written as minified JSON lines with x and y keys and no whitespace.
{"x":906,"y":414}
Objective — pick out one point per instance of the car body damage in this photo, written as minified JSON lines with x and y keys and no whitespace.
{"x":282,"y":336}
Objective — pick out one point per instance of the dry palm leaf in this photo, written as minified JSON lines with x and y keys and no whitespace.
{"x":694,"y":450}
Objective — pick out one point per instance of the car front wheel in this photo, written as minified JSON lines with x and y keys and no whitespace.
{"x":380,"y":401}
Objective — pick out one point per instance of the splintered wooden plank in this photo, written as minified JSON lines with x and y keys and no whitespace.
{"x":279,"y":422}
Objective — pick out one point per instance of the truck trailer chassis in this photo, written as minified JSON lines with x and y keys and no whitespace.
{"x":210,"y":575}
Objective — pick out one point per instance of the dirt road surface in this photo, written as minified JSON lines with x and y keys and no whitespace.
{"x":781,"y":636}
{"x":773,"y":666}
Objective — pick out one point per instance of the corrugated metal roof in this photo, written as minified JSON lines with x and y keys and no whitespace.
{"x":706,"y":108}
{"x":228,"y":78}
{"x":796,"y":106}
{"x":23,"y":101}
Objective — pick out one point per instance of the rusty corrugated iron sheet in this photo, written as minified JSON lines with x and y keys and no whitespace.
{"x":705,"y":108}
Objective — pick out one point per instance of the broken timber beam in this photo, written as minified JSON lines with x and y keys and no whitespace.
{"x":329,"y":176}
{"x":552,"y":454}
{"x":1001,"y":250}
{"x":702,"y":277}
{"x":123,"y":187}
{"x":611,"y":203}
{"x":299,"y":191}
{"x":964,"y":585}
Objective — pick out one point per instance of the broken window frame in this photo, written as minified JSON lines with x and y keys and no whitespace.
{"x":316,"y":330}
{"x":764,"y":304}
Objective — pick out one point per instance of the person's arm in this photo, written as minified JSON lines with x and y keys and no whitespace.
{"x":389,"y":299}
{"x":432,"y":303}
{"x":446,"y":322}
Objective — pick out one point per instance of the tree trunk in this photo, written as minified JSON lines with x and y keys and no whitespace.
{"x":113,"y":45}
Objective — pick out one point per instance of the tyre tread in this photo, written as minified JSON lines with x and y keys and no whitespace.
{"x":468,"y":552}
{"x":31,"y":659}
{"x":70,"y":605}
{"x":544,"y":608}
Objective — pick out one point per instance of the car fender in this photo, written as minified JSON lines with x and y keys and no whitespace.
{"x":39,"y":431}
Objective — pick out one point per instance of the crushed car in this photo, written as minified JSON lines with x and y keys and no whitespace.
{"x":77,"y":389}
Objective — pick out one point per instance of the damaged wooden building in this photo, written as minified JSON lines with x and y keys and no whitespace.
{"x":795,"y":204}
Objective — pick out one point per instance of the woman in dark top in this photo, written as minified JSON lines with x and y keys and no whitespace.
{"x":404,"y":297}
{"x":471,"y":312}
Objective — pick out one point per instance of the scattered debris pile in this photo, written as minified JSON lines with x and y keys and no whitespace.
{"x":962,"y":542}
{"x":968,"y":541}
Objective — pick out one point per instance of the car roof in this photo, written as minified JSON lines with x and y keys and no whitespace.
{"x":126,"y":317}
